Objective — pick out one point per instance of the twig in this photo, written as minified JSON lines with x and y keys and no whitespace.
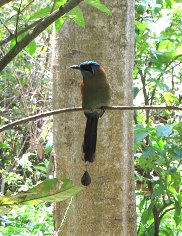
{"x":17,"y":20}
{"x":40,"y":27}
{"x":166,"y":211}
{"x":11,"y":36}
{"x":27,"y":6}
{"x":6,"y":28}
{"x":74,"y":109}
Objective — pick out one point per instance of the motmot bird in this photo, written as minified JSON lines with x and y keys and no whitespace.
{"x":96,"y":94}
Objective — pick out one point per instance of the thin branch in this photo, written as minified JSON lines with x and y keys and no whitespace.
{"x":166,"y":211}
{"x":6,"y":27}
{"x":145,"y":94}
{"x":142,"y":76}
{"x":11,"y":36}
{"x":54,"y":3}
{"x":40,"y":27}
{"x":73,"y":109}
{"x":165,"y":205}
{"x":27,"y":6}
{"x":17,"y":20}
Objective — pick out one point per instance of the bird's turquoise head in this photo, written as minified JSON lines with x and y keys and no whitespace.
{"x":88,"y":68}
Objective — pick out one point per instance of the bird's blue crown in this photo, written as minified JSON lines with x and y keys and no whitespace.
{"x":89,"y":63}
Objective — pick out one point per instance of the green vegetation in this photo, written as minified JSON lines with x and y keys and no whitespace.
{"x":25,"y":151}
{"x":158,"y":134}
{"x":28,"y":220}
{"x":26,"y":158}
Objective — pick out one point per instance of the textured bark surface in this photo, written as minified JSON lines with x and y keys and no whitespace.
{"x":107,"y":206}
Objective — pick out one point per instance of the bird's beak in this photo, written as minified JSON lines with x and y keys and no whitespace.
{"x":75,"y":67}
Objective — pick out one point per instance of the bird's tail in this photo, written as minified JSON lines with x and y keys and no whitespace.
{"x":90,"y":137}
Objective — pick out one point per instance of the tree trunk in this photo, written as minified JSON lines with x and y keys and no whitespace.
{"x":107,"y":206}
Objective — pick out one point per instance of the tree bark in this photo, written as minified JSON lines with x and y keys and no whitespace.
{"x":107,"y":206}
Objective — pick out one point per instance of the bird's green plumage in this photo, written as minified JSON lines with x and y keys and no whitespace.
{"x":96,"y":93}
{"x":95,"y":90}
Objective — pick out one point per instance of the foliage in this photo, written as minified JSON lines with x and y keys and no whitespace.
{"x":28,"y":220}
{"x":49,"y":190}
{"x":26,"y":157}
{"x":26,"y":152}
{"x":158,"y":134}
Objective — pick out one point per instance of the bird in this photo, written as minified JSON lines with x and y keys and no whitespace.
{"x":96,"y":94}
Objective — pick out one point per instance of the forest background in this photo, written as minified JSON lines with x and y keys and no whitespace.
{"x":25,"y":151}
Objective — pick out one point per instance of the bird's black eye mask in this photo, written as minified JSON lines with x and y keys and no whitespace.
{"x":87,"y":68}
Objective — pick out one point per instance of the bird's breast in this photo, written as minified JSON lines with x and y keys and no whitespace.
{"x":95,"y":93}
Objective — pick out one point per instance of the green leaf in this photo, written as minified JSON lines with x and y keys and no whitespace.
{"x":166,"y":45}
{"x":177,"y":152}
{"x":58,"y":3}
{"x":168,"y":4}
{"x":159,"y":188}
{"x":136,"y":91}
{"x":172,"y":190}
{"x":150,"y":230}
{"x":162,"y":57}
{"x":141,"y":8}
{"x":48,"y":148}
{"x":40,"y":168}
{"x":13,"y":41}
{"x":51,"y":190}
{"x":142,"y":203}
{"x":156,"y":9}
{"x":97,"y":4}
{"x":163,"y":130}
{"x":141,"y":26}
{"x":140,"y":134}
{"x":177,"y":214}
{"x":171,"y":171}
{"x":159,"y":2}
{"x":149,"y":151}
{"x":31,"y":48}
{"x":178,"y":128}
{"x":147,"y":214}
{"x":41,"y":13}
{"x":4,"y":145}
{"x":76,"y":14}
{"x":59,"y":22}
{"x":170,"y":98}
{"x":49,"y":145}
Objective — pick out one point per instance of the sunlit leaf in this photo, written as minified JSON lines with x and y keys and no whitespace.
{"x":99,"y":5}
{"x":4,"y":145}
{"x":59,"y":22}
{"x":170,"y":98}
{"x":59,"y":3}
{"x":142,"y":26}
{"x":76,"y":14}
{"x":40,"y":168}
{"x":51,"y":190}
{"x":41,"y":13}
{"x":147,"y":214}
{"x":31,"y":48}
